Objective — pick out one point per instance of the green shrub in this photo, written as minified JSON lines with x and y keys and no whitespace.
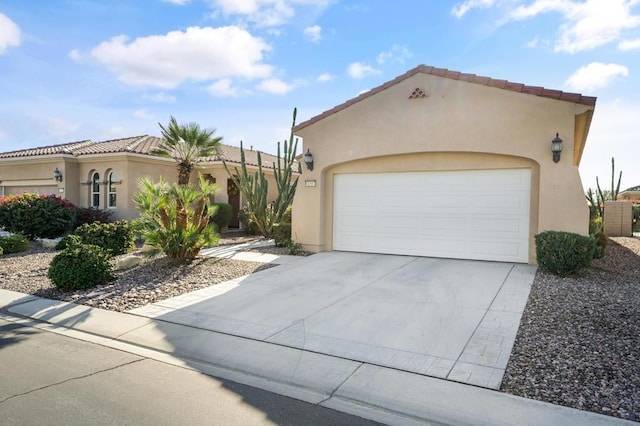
{"x":564,"y":253}
{"x":116,"y":238}
{"x":596,"y":230}
{"x":248,"y":225}
{"x":68,"y":241}
{"x":286,"y":217}
{"x":13,"y":243}
{"x":91,"y":215}
{"x":37,"y":216}
{"x":222,"y":216}
{"x":601,"y":240}
{"x":294,"y":247}
{"x":281,"y":233}
{"x":80,"y":267}
{"x":1,"y":251}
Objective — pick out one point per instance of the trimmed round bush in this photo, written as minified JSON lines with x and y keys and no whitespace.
{"x":116,"y":238}
{"x":564,"y":253}
{"x":13,"y":243}
{"x":222,"y":216}
{"x":68,"y":241}
{"x":80,"y":267}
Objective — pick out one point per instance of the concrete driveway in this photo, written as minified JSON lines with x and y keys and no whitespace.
{"x":453,"y":319}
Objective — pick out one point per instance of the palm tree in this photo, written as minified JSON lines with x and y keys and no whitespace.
{"x":187,"y":143}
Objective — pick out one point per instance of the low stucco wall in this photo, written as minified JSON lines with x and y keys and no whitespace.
{"x":618,"y":218}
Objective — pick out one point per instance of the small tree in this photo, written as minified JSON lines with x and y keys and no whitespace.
{"x":596,"y":201}
{"x":175,"y":218}
{"x":254,"y":187}
{"x":187,"y":143}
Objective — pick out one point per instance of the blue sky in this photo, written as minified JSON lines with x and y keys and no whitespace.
{"x":103,"y":69}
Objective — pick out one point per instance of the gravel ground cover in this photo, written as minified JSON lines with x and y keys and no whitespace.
{"x":579,"y":340}
{"x":154,"y":279}
{"x":578,"y":344}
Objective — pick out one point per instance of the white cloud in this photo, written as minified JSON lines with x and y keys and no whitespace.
{"x":533,"y":43}
{"x":177,"y":2}
{"x":223,"y":88}
{"x":358,"y":70}
{"x":75,"y":55}
{"x":587,"y":24}
{"x":314,"y":33}
{"x":143,"y":114}
{"x":325,"y":76}
{"x":594,"y":76}
{"x":10,"y":35}
{"x":198,"y":54}
{"x":625,"y":45}
{"x":161,"y":98}
{"x":275,"y":86}
{"x":461,"y":9}
{"x":397,"y":52}
{"x":267,"y":13}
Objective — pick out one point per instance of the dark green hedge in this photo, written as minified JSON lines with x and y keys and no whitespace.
{"x":564,"y":253}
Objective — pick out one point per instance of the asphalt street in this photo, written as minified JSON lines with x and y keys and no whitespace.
{"x":47,"y":378}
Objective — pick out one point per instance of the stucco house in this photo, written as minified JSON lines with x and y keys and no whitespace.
{"x":632,"y":193}
{"x":106,"y":174}
{"x":444,"y":164}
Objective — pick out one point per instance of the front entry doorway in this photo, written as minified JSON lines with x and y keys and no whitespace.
{"x":234,"y":199}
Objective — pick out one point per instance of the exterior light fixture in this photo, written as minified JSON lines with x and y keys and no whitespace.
{"x":556,"y":148}
{"x":57,"y":175}
{"x":308,"y":159}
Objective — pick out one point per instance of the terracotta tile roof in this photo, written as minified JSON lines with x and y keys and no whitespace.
{"x":632,"y":189}
{"x":64,"y":148}
{"x":455,"y":75}
{"x":138,"y":145}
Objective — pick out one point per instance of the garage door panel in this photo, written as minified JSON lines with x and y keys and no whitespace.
{"x":470,"y":214}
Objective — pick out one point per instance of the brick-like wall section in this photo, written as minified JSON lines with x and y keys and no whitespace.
{"x":618,"y":218}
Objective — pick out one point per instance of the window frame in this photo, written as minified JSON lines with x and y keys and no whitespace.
{"x":95,"y":195}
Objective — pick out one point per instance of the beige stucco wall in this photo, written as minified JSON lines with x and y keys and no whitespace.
{"x":451,"y":129}
{"x":36,"y":175}
{"x":618,"y":218}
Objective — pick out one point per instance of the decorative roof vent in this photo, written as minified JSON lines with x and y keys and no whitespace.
{"x":417,"y":94}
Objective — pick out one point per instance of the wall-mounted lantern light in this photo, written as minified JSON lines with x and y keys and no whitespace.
{"x":57,"y":175}
{"x":556,"y":148}
{"x":308,"y":159}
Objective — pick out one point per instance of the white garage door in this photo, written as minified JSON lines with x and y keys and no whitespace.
{"x":480,"y":214}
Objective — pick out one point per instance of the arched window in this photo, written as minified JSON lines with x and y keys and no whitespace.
{"x":95,"y":190}
{"x":111,"y":190}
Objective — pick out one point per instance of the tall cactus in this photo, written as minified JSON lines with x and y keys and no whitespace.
{"x":597,"y":200}
{"x":254,"y":187}
{"x":284,"y":173}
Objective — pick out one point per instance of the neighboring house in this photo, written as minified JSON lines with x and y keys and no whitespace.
{"x":106,"y":174}
{"x":632,"y":193}
{"x":444,"y":164}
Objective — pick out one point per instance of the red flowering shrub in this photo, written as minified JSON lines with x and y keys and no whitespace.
{"x":37,"y":215}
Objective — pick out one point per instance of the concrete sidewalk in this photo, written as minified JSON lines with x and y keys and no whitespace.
{"x":378,"y":393}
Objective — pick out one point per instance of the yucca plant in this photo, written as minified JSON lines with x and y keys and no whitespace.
{"x":175,"y":218}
